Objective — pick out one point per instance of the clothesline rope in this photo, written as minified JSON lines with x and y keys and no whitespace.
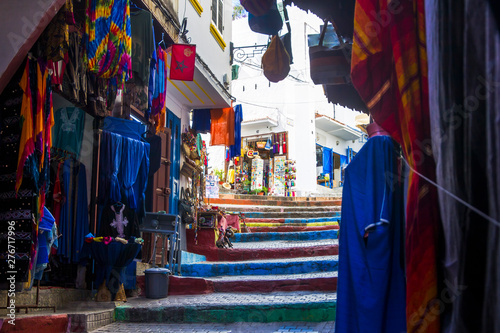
{"x":463,"y":202}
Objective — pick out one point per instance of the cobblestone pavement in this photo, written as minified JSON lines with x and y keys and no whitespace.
{"x":279,"y":244}
{"x":322,"y":327}
{"x":273,"y":277}
{"x":224,"y":299}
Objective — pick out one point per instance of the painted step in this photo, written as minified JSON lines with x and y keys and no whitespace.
{"x":274,"y":202}
{"x":323,"y":281}
{"x":282,"y":209}
{"x":290,"y":236}
{"x":335,"y":219}
{"x":231,"y":307}
{"x":291,"y":228}
{"x":271,"y":250}
{"x":261,"y":267}
{"x":291,"y":215}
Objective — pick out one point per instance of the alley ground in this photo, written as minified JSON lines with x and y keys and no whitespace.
{"x":323,"y":327}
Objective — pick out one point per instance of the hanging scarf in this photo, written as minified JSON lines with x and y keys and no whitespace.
{"x":158,"y":108}
{"x":27,"y":143}
{"x":108,"y":39}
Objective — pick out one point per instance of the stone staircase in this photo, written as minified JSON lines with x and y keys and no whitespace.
{"x":284,"y":269}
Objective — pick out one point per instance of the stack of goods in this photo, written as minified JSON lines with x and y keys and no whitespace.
{"x":290,"y":175}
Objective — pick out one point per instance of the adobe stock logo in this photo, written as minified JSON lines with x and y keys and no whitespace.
{"x":29,"y":24}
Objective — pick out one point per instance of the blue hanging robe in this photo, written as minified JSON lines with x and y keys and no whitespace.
{"x":371,"y":282}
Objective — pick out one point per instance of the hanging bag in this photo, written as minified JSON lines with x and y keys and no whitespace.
{"x":328,"y":63}
{"x":268,"y":24}
{"x":276,"y":61}
{"x":186,"y":207}
{"x":257,"y":7}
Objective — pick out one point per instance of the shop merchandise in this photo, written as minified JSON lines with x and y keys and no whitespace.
{"x":234,"y":150}
{"x":68,"y":129}
{"x":371,"y":290}
{"x":222,"y":125}
{"x":201,"y":120}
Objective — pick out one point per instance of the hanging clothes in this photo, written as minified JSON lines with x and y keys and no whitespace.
{"x":81,"y":221}
{"x":201,"y":120}
{"x":119,"y":220}
{"x":235,"y":150}
{"x":371,"y":283}
{"x":328,"y":161}
{"x":47,"y":236}
{"x":69,"y":123}
{"x":110,"y":157}
{"x":108,"y":39}
{"x":55,"y":38}
{"x":389,"y":70}
{"x":141,"y":183}
{"x":141,"y":22}
{"x":222,"y":127}
{"x":132,"y":156}
{"x":158,"y":107}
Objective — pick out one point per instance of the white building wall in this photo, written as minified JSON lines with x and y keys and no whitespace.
{"x":207,"y":48}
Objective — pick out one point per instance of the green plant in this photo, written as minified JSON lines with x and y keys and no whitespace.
{"x":264,"y":189}
{"x":219,"y":173}
{"x":247,"y":182}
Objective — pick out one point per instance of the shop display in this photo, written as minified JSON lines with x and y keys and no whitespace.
{"x":212,"y":186}
{"x":257,"y":174}
{"x":290,"y":177}
{"x":279,"y":176}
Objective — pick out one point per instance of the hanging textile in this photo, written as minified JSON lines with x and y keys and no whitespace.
{"x":464,"y":113}
{"x":235,"y":150}
{"x":222,"y":127}
{"x":27,"y":143}
{"x":182,"y":62}
{"x":47,"y":236}
{"x":132,"y":156}
{"x":328,"y":161}
{"x":110,"y":157}
{"x":69,"y":123}
{"x":141,"y":22}
{"x":158,"y":108}
{"x":67,"y":210}
{"x":371,"y":282}
{"x":81,"y":222}
{"x":201,"y":120}
{"x":108,"y":39}
{"x":389,"y":70}
{"x":141,"y":184}
{"x":16,"y":206}
{"x":55,"y":38}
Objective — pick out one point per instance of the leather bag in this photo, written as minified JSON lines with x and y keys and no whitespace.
{"x":329,"y":64}
{"x":268,"y":24}
{"x":276,"y":61}
{"x":186,"y":207}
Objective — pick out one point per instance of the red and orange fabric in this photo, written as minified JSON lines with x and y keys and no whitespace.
{"x":222,"y":127}
{"x":27,"y":143}
{"x":389,"y":70}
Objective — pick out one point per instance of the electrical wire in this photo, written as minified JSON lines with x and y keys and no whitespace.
{"x":463,"y":202}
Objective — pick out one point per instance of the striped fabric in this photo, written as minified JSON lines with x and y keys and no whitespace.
{"x":159,"y":105}
{"x":108,"y":39}
{"x":389,"y":70}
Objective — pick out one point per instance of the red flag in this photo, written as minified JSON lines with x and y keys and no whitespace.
{"x":182,"y":62}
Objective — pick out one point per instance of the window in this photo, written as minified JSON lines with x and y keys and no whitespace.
{"x":217,"y":13}
{"x":319,"y":156}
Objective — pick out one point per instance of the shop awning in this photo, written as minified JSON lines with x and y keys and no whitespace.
{"x":204,"y":92}
{"x":259,"y":124}
{"x":334,"y":127}
{"x":342,"y":12}
{"x":23,"y":21}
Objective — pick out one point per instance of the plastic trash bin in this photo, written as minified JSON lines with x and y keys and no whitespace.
{"x":156,"y":282}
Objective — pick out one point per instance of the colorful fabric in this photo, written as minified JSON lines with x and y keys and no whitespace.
{"x":235,"y":149}
{"x":182,"y":63}
{"x":222,"y":127}
{"x":68,"y":129}
{"x":389,"y":70}
{"x":108,"y":39}
{"x":27,"y":143}
{"x":371,"y":283}
{"x":201,"y":120}
{"x":158,"y":107}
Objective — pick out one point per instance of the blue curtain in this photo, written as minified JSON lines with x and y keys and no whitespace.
{"x":141,"y":183}
{"x":132,"y":157}
{"x":82,"y":213}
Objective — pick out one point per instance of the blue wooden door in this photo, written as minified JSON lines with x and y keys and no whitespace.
{"x":174,"y":123}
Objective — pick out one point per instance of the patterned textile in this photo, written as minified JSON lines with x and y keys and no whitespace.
{"x":108,"y":38}
{"x":389,"y":70}
{"x":27,"y":143}
{"x":158,"y":108}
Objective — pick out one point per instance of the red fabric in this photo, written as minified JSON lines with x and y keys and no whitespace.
{"x":182,"y":62}
{"x":222,"y":127}
{"x":389,"y":70}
